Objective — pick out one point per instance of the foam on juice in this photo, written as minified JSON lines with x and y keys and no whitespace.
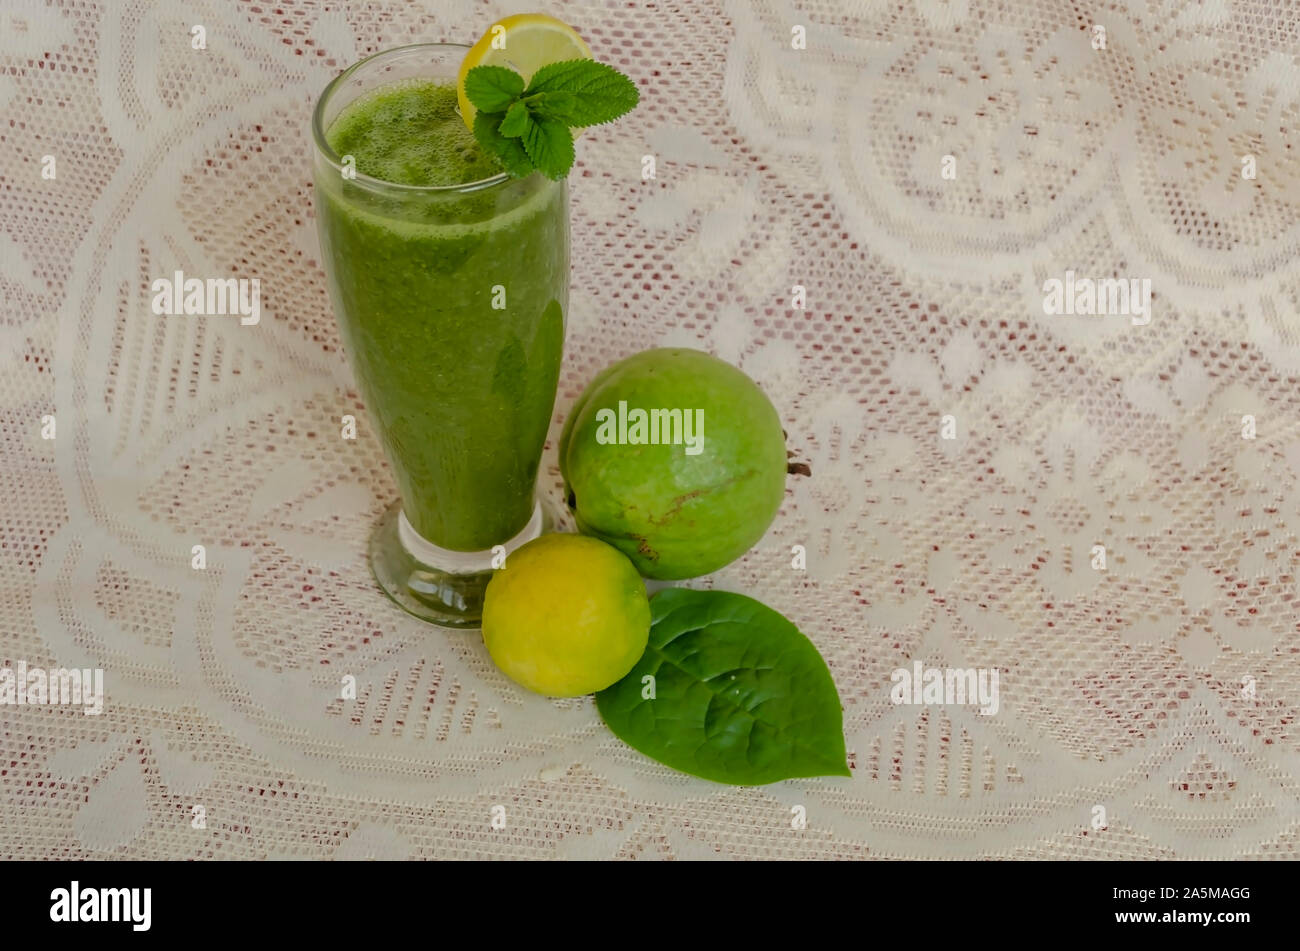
{"x":410,"y":133}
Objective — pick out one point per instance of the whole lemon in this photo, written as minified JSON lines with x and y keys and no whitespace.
{"x":567,"y":615}
{"x":677,"y":459}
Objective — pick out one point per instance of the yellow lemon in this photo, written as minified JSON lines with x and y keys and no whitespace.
{"x":525,"y":43}
{"x":567,"y":615}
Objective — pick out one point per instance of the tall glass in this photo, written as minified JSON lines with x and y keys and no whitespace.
{"x":451,"y":302}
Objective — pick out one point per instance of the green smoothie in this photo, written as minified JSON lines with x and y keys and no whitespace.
{"x":451,"y":304}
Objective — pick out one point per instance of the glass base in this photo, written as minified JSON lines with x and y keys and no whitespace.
{"x":435,"y":584}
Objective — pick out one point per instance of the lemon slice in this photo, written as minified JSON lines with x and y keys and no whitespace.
{"x":525,"y":43}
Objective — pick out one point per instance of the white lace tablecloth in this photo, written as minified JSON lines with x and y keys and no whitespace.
{"x":1164,"y":688}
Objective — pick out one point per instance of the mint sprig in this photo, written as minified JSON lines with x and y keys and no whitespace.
{"x":527,"y":126}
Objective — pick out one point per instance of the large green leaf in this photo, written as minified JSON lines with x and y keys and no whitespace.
{"x":739,"y":695}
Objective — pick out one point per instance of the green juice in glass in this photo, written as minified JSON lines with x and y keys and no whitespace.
{"x":450,"y":284}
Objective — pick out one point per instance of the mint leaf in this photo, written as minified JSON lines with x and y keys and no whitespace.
{"x":600,"y":92}
{"x":556,"y":104}
{"x":740,"y":695}
{"x":493,"y":88}
{"x":516,"y":122}
{"x":509,"y":152}
{"x":527,"y":127}
{"x":549,"y":144}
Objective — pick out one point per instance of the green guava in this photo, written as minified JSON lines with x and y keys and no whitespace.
{"x":690,"y":486}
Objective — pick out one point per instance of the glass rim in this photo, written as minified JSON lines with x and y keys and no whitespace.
{"x":378,"y":184}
